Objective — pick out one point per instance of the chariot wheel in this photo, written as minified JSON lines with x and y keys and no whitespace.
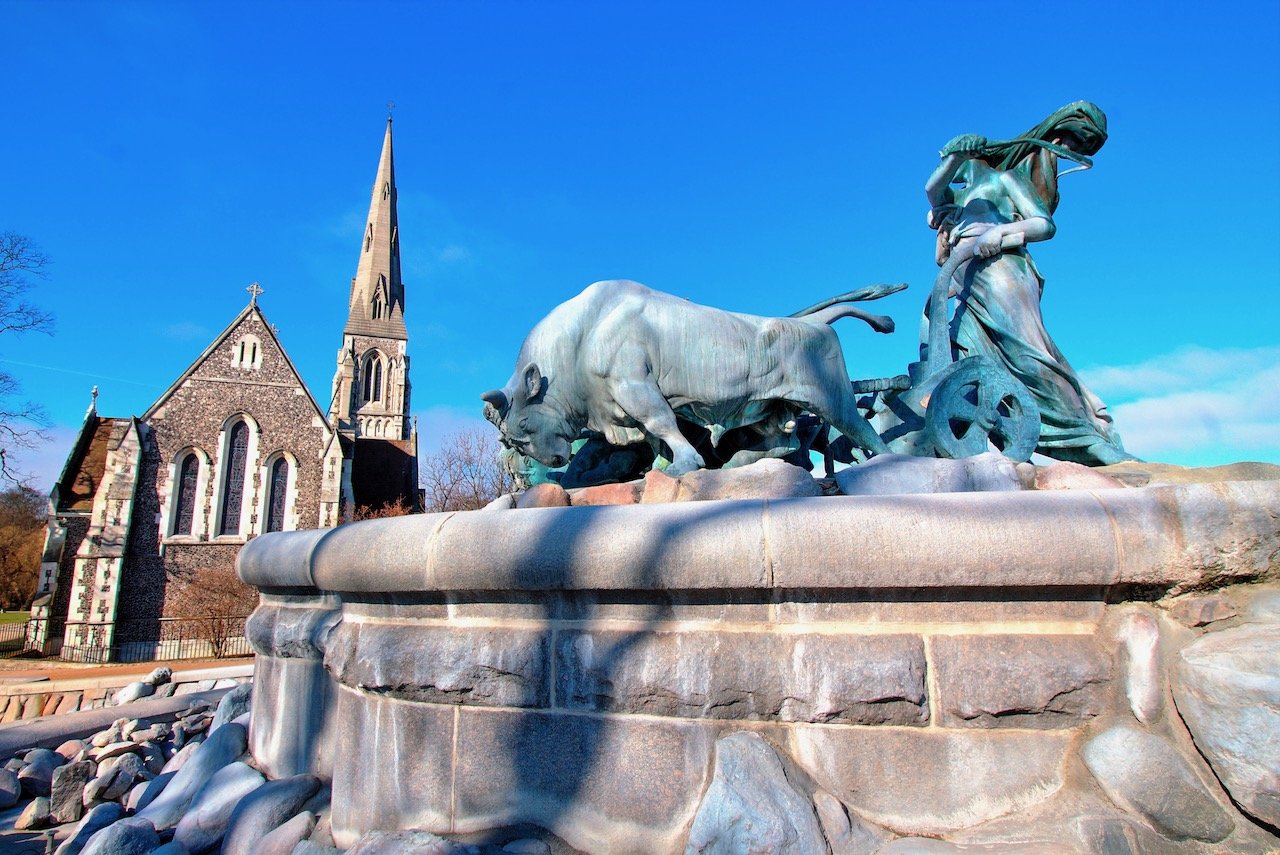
{"x":976,"y":402}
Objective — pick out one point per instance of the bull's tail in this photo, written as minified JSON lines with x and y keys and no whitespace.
{"x":833,"y":309}
{"x":871,"y":292}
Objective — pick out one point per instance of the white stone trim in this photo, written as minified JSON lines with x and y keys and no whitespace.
{"x":169,"y":499}
{"x":290,"y":492}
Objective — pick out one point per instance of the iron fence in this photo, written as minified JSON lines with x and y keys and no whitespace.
{"x":201,"y":637}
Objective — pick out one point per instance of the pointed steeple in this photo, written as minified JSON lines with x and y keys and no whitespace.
{"x":377,"y":294}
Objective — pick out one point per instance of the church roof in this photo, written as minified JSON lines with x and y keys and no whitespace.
{"x":251,"y":309}
{"x":377,"y":292}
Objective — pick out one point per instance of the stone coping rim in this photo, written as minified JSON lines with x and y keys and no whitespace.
{"x":1167,"y":535}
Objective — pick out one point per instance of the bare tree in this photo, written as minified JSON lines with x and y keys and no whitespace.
{"x":214,"y":603}
{"x":21,"y":261}
{"x":466,"y":473}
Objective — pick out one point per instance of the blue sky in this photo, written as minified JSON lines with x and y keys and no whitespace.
{"x":753,"y":156}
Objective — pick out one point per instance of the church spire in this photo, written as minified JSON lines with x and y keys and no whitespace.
{"x":371,"y":388}
{"x":377,"y":294}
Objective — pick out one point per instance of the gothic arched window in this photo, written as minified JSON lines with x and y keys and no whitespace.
{"x":277,"y":494}
{"x":371,"y":371}
{"x":185,"y":499}
{"x":233,"y":478}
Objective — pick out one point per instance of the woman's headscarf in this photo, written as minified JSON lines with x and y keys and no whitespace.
{"x":1032,"y":154}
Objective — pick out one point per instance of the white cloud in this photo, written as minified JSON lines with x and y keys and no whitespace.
{"x":1185,"y":368}
{"x":1196,"y":406}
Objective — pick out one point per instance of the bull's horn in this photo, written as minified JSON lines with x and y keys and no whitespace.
{"x":497,"y":399}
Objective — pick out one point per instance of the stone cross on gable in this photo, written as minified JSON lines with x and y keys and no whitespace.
{"x":254,"y":290}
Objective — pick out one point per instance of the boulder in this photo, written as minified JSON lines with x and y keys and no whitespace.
{"x":282,"y":839}
{"x":234,"y":704}
{"x":548,"y":495}
{"x":10,"y":789}
{"x":1065,"y":475}
{"x":71,"y":748}
{"x":127,"y":837}
{"x":96,"y":819}
{"x":34,"y":815}
{"x":205,"y":821}
{"x":221,"y":748}
{"x":67,"y":789}
{"x":1141,"y":772}
{"x":406,"y":843}
{"x":152,"y":789}
{"x":36,"y":777}
{"x":133,"y":692}
{"x":765,"y":479}
{"x":751,"y":806}
{"x":898,"y":474}
{"x":1227,"y":689}
{"x":846,"y":832}
{"x":264,"y":810}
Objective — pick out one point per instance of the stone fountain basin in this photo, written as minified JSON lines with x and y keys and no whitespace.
{"x":929,"y":660}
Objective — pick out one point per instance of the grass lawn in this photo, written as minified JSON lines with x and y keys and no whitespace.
{"x":14,"y":617}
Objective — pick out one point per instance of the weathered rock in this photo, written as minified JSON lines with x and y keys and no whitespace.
{"x":794,"y":677}
{"x":1142,"y":473}
{"x":36,"y":777}
{"x":1144,"y":686}
{"x":34,"y":815}
{"x":14,"y":764}
{"x":152,"y":789}
{"x":505,"y":502}
{"x":133,"y":692}
{"x":308,"y":847}
{"x":234,"y":704}
{"x":123,"y":776}
{"x":10,"y":789}
{"x":1141,"y":772}
{"x":181,"y":756}
{"x":626,"y":493}
{"x":115,"y":749}
{"x":909,"y":780}
{"x":1065,"y":475}
{"x":173,"y":847}
{"x":205,"y":821}
{"x":1228,"y":692}
{"x":930,"y":846}
{"x":1201,"y":610}
{"x":94,"y":820}
{"x":221,"y":748}
{"x":159,"y":676}
{"x":131,"y":727}
{"x":127,"y":837}
{"x":751,"y":806}
{"x":1024,"y":681}
{"x":898,"y":474}
{"x":282,"y":839}
{"x":265,"y":809}
{"x":527,"y":846}
{"x":548,"y":495}
{"x":764,"y":479}
{"x":71,"y":748}
{"x":406,"y":843}
{"x":846,"y":832}
{"x":66,"y":790}
{"x":114,"y":733}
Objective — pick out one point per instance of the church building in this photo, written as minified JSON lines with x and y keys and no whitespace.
{"x":150,"y":511}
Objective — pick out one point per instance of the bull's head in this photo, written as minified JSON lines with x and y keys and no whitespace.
{"x":530,"y":423}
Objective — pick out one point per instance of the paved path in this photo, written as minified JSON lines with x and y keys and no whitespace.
{"x":11,"y":670}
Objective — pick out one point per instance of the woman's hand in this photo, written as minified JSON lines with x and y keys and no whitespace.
{"x":988,"y":243}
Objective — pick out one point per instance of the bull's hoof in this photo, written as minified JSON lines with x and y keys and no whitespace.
{"x":684,"y":467}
